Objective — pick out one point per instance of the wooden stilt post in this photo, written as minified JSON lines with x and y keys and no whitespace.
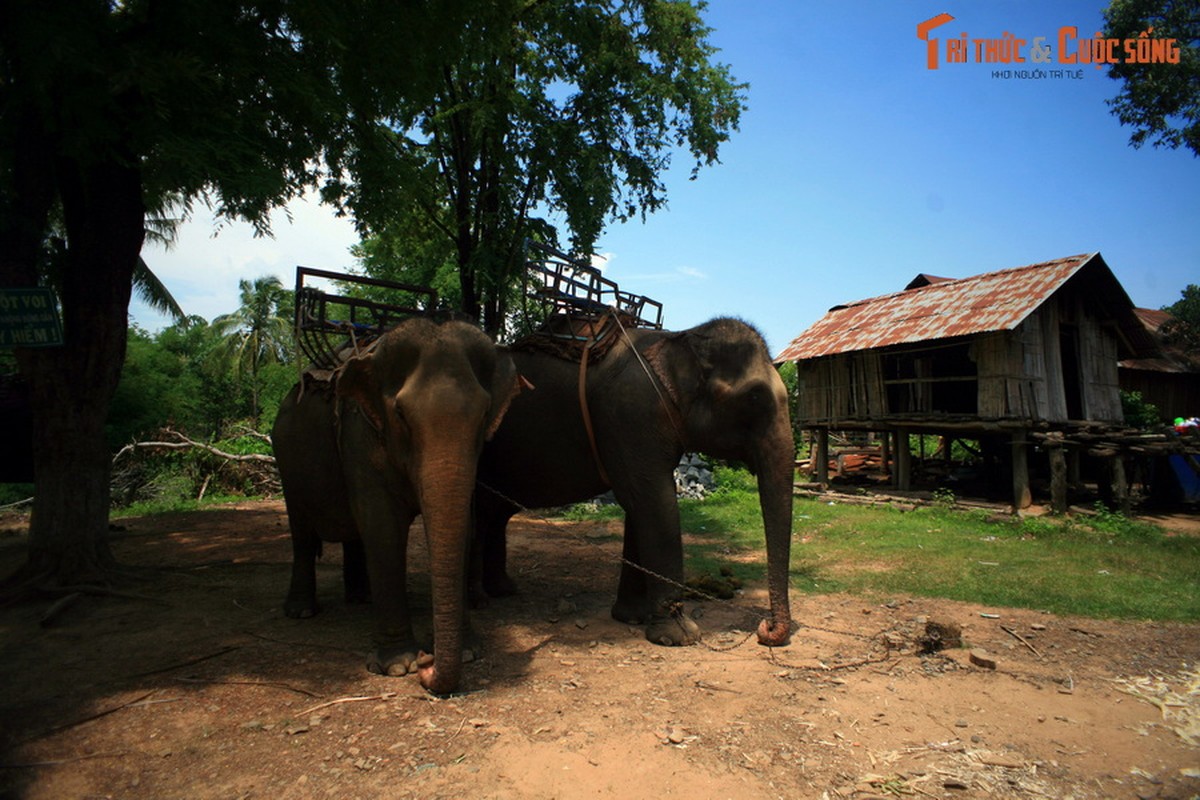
{"x":1058,"y":475}
{"x":1120,"y":487}
{"x":821,"y":457}
{"x":903,"y":461}
{"x":1022,"y":496}
{"x":885,"y":451}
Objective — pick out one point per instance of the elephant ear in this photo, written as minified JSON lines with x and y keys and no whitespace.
{"x":356,"y":381}
{"x":507,"y":383}
{"x":676,"y":365}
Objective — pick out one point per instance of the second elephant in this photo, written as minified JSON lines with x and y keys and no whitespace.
{"x":657,"y":394}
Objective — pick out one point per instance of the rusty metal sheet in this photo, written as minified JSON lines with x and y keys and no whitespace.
{"x":994,"y":301}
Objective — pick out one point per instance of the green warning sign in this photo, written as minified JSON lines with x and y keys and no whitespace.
{"x":29,"y":318}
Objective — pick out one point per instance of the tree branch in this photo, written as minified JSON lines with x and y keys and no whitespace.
{"x":185,"y":443}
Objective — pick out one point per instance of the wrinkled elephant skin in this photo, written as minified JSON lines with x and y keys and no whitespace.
{"x":709,"y":389}
{"x":398,"y":435}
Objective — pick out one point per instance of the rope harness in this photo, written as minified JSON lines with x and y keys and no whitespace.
{"x":588,"y":340}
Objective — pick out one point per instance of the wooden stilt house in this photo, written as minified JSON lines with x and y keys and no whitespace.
{"x":1011,"y":353}
{"x":1171,"y":382}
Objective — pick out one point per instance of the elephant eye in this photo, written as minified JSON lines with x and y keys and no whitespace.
{"x":757,"y":402}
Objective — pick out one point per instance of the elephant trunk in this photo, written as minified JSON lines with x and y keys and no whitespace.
{"x":446,"y":486}
{"x":774,"y":462}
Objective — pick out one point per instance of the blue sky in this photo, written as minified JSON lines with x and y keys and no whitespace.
{"x":856,"y":167}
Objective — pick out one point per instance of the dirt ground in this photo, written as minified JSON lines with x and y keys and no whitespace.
{"x":199,"y":687}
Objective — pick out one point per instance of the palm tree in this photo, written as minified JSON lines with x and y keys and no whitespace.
{"x":154,"y":292}
{"x":161,"y":229}
{"x":258,"y":333}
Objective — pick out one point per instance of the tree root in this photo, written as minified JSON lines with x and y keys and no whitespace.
{"x":26,"y":586}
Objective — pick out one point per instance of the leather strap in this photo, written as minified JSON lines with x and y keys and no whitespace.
{"x":587,"y":416}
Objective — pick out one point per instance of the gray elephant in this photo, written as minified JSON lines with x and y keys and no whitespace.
{"x":396,"y":433}
{"x":656,"y":395}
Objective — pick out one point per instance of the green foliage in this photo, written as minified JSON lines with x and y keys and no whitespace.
{"x":1138,"y":412}
{"x":116,"y":111}
{"x":410,"y":254}
{"x":595,"y":512}
{"x":790,"y":375}
{"x":186,"y":377}
{"x":153,"y":481}
{"x":733,"y":481}
{"x":157,"y":389}
{"x":571,"y":110}
{"x":257,"y":335}
{"x":929,"y":445}
{"x":1161,"y":102}
{"x":1182,"y":331}
{"x":15,"y":492}
{"x":944,"y":497}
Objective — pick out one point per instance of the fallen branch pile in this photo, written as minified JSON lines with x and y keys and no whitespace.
{"x":135,"y":476}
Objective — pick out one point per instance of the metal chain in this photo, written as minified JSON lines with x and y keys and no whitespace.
{"x":676,"y":611}
{"x":621,"y":558}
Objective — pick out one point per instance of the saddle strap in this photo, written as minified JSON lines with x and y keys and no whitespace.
{"x":587,"y":416}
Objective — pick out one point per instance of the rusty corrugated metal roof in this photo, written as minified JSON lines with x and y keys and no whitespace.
{"x":993,"y":301}
{"x":1172,"y":358}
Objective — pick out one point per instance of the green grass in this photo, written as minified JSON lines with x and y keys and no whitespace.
{"x":1104,"y":566}
{"x":173,"y":503}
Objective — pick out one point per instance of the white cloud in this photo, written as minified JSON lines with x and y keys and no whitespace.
{"x":601,"y":260}
{"x":204,"y":266}
{"x":676,"y":275}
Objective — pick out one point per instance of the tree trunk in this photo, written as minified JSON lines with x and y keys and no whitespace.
{"x":71,"y":386}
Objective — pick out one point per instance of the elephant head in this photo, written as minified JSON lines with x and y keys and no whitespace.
{"x":432,"y":393}
{"x":731,"y":403}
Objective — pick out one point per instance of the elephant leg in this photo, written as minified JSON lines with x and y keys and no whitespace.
{"x":301,"y":601}
{"x":651,"y":585}
{"x":489,"y":559}
{"x":355,"y":580}
{"x":633,"y":600}
{"x":394,"y":648}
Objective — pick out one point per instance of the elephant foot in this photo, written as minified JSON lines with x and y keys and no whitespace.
{"x":676,"y":630}
{"x":300,"y":608}
{"x":399,"y":660}
{"x":394,"y":660}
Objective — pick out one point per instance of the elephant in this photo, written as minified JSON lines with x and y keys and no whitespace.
{"x":395,"y":433}
{"x":654,"y":396}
